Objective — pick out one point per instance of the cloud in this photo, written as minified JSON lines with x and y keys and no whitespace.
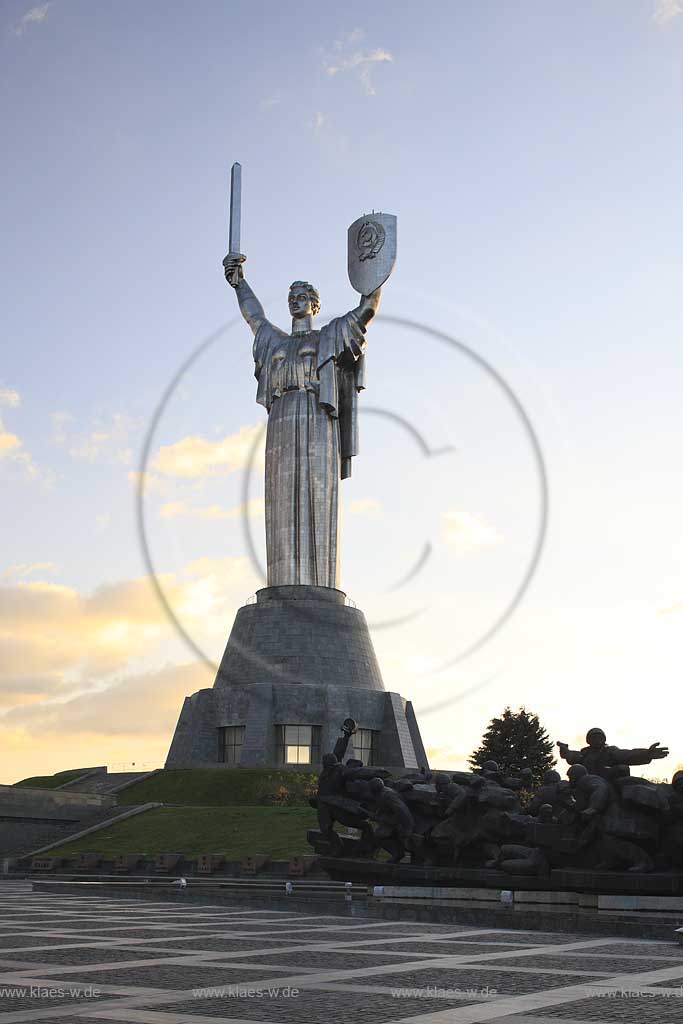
{"x":34,"y":16}
{"x":356,"y":35}
{"x":8,"y":442}
{"x":464,"y":532}
{"x":145,"y":704}
{"x":196,"y":456}
{"x":369,"y":508}
{"x":70,"y":670}
{"x":8,"y":396}
{"x":52,"y":630}
{"x":319,"y":120}
{"x":666,"y":10}
{"x":105,"y":438}
{"x":361,"y":64}
{"x":210,"y":589}
{"x":23,"y":569}
{"x":180,"y":509}
{"x":20,"y":690}
{"x":60,"y":420}
{"x":447,"y":758}
{"x":148,"y":482}
{"x":12,"y":450}
{"x":48,"y":627}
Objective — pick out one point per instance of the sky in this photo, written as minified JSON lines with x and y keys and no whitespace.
{"x":521,"y":425}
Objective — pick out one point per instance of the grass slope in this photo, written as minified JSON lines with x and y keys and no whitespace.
{"x":236,"y":832}
{"x":223,"y":787}
{"x":49,"y":781}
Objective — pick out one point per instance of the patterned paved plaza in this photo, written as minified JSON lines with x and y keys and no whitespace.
{"x":72,"y":958}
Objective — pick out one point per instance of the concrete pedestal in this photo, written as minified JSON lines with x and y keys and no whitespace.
{"x":297,"y":656}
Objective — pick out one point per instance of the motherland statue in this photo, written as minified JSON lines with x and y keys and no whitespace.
{"x":309,"y":380}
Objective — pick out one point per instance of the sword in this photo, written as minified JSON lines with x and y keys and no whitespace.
{"x":235,"y":209}
{"x":235,"y":222}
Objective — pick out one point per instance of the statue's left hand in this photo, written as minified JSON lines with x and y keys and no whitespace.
{"x":658,"y":752}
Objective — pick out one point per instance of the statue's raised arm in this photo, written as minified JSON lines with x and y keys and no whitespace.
{"x":250,"y":307}
{"x":369,"y":304}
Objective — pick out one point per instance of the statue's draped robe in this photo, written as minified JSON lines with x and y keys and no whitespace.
{"x":309,"y":384}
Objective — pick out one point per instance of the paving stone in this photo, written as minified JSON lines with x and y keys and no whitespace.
{"x":309,"y":936}
{"x":324,"y":959}
{"x":128,"y":933}
{"x":475,"y":983}
{"x":535,"y":938}
{"x":171,"y":976}
{"x":188,"y":930}
{"x":316,"y":1007}
{"x":654,"y":948}
{"x":16,"y":941}
{"x":82,"y":955}
{"x":422,"y":948}
{"x":123,"y":1019}
{"x":647,"y":1009}
{"x":219,"y":944}
{"x":608,"y":965}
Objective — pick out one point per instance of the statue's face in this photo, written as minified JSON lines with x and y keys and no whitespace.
{"x":300,"y":303}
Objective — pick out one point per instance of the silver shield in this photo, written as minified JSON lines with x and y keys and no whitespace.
{"x":372,"y":251}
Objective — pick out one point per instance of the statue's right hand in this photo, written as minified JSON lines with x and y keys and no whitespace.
{"x":232,"y":268}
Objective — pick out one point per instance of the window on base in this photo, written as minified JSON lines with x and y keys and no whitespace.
{"x":298,"y":744}
{"x":231,"y":740}
{"x":365,"y":745}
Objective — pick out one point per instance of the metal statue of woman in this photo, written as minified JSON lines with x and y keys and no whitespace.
{"x":308,"y":381}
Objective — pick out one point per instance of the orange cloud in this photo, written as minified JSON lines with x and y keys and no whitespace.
{"x":145,"y":704}
{"x":70,"y":690}
{"x":464,"y":532}
{"x":180,"y":509}
{"x":196,"y":456}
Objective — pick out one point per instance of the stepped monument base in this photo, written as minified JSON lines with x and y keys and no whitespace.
{"x":299,"y":660}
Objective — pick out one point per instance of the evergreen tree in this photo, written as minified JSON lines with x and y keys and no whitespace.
{"x":516,"y":740}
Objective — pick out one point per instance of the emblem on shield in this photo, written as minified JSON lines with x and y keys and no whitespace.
{"x":372,"y":251}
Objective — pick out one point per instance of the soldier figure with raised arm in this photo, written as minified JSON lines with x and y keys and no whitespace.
{"x":607,"y":761}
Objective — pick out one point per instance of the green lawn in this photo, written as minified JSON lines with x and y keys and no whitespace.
{"x":49,"y":781}
{"x":236,"y":832}
{"x":223,"y":787}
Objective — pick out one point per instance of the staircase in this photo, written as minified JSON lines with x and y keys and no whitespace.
{"x":104,"y":782}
